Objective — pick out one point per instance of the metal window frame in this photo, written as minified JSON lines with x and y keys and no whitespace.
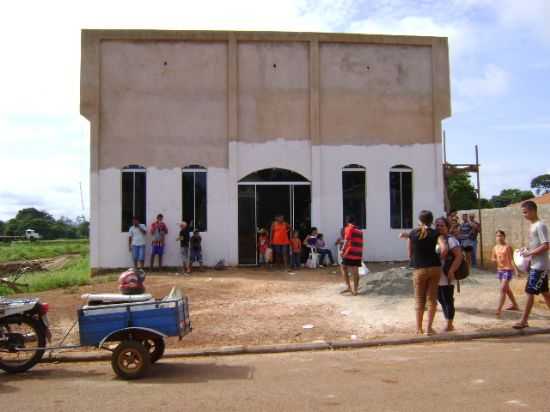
{"x":401,"y":171}
{"x":356,"y":169}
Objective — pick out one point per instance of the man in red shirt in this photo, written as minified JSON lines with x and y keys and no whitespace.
{"x":159,"y":232}
{"x":352,"y":255}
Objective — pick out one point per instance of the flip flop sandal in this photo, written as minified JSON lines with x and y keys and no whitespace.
{"x":520,"y":326}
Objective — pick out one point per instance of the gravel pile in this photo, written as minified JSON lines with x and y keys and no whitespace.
{"x":391,"y":282}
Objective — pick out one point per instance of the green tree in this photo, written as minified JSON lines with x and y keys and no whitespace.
{"x":541,"y":184}
{"x":44,"y":223}
{"x":2,"y":227}
{"x":461,"y":192}
{"x":509,"y":196}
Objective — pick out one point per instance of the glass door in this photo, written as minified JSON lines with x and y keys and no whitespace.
{"x":247,"y":225}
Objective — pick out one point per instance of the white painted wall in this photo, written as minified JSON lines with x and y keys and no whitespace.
{"x":381,"y":242}
{"x":321,"y":164}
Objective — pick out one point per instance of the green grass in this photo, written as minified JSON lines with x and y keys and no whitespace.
{"x":76,"y":273}
{"x":23,"y":250}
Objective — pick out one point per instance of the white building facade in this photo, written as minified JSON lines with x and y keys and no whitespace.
{"x":227,"y":129}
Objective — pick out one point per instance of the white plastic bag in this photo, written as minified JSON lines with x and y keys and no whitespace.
{"x":521,"y":262}
{"x":363,"y":270}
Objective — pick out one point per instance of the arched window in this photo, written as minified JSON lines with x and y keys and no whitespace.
{"x":134,"y":194}
{"x":273,"y":175}
{"x":401,"y":197}
{"x":194,"y":199}
{"x":354,"y":194}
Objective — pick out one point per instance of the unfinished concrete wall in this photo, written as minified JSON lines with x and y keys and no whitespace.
{"x":159,"y":100}
{"x":511,"y":221}
{"x":375,"y":94}
{"x":273,"y":91}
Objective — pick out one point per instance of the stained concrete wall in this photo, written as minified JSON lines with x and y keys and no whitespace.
{"x":273,"y":91}
{"x":375,"y":94}
{"x":511,"y":221}
{"x":159,"y":100}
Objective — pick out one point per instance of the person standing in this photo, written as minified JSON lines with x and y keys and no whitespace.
{"x":422,"y":242}
{"x":296,"y":250}
{"x":502,"y":255}
{"x":183,"y":238}
{"x":195,"y":244}
{"x":476,"y":229}
{"x":352,"y":256}
{"x":537,"y":251}
{"x":159,"y":232}
{"x":465,"y":237}
{"x":450,"y":255}
{"x":136,"y":242}
{"x":280,"y":240}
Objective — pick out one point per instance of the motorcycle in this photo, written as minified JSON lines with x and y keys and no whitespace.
{"x":24,"y":329}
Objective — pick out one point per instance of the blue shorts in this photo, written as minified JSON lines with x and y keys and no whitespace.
{"x":138,"y":253}
{"x":196,"y":256}
{"x":158,"y":250}
{"x":505,"y":274}
{"x":537,"y":282}
{"x":280,"y":250}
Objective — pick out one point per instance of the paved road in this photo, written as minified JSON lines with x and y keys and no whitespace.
{"x":497,"y":375}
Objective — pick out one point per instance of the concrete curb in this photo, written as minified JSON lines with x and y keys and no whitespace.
{"x":303,"y":347}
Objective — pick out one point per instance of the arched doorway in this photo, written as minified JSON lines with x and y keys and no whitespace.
{"x":264,"y":194}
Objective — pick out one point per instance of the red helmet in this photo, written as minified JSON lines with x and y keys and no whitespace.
{"x":131,"y":281}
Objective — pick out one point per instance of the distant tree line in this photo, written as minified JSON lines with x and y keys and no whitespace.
{"x":462,"y":194}
{"x":46,"y":225}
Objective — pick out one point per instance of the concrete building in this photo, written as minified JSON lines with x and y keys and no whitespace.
{"x":227,"y":129}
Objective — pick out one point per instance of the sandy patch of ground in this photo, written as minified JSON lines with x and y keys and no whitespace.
{"x":251,"y":306}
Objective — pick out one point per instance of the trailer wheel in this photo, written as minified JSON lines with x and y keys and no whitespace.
{"x":131,"y":360}
{"x":155,"y":347}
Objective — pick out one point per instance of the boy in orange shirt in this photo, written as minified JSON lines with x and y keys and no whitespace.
{"x":503,"y":257}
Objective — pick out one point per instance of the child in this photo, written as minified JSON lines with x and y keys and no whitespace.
{"x":263,"y":245}
{"x":323,"y":251}
{"x":295,"y":250}
{"x":195,"y":244}
{"x":503,"y":257}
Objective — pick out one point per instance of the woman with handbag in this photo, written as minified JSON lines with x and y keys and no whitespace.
{"x":450,"y":253}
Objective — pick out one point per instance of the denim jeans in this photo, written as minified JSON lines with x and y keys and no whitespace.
{"x":295,"y":260}
{"x":323,"y":253}
{"x":474,"y":252}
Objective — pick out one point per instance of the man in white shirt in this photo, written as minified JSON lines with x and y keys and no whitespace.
{"x":136,"y":242}
{"x":539,"y":244}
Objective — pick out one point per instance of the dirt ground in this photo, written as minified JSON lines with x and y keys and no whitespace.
{"x":252,"y":306}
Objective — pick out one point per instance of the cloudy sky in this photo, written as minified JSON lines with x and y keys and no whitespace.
{"x":500,"y":69}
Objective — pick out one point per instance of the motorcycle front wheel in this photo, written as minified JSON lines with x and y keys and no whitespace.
{"x":20,"y":332}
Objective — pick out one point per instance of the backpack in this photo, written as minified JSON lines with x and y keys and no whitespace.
{"x":463,"y":270}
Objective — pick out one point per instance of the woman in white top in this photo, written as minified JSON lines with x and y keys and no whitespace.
{"x":448,"y":248}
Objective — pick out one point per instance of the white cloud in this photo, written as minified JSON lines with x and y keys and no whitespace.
{"x":531,"y":15}
{"x":461,"y":35}
{"x":493,"y":82}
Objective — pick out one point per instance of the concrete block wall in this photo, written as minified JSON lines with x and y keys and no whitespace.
{"x":508,"y":219}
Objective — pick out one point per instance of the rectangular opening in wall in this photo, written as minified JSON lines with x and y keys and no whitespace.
{"x":354,"y":193}
{"x":134,"y":193}
{"x":401,"y":198}
{"x":194,"y":198}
